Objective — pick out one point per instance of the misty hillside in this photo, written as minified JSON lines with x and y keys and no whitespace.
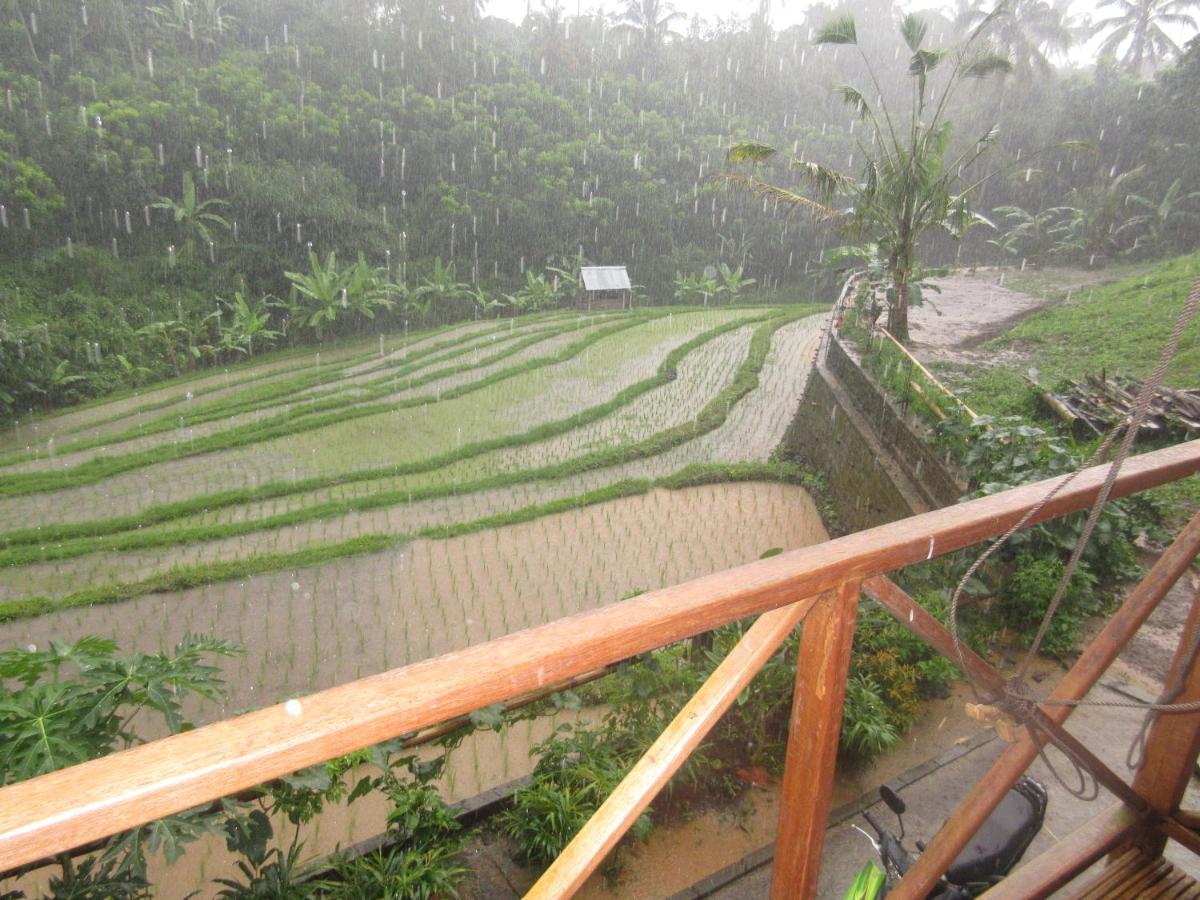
{"x":154,"y":158}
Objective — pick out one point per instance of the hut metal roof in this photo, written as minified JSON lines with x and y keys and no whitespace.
{"x":605,"y":278}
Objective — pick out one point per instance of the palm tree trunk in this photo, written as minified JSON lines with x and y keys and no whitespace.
{"x":898,"y":312}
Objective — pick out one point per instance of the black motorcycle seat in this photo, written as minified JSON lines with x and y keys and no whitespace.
{"x":1002,"y":840}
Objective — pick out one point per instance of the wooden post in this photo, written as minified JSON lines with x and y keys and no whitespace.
{"x":815,"y":726}
{"x":1012,"y":763}
{"x":1174,"y":739}
{"x":690,"y":726}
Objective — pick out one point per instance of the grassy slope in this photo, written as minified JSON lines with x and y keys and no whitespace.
{"x":1120,"y":327}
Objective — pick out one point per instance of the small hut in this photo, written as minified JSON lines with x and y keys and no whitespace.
{"x":604,"y":287}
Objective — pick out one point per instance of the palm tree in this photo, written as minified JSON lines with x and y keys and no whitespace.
{"x":1138,"y":27}
{"x":195,"y":219}
{"x":1031,"y":32}
{"x":907,"y":186}
{"x":652,"y":20}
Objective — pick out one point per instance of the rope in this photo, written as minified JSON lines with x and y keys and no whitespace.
{"x":1016,"y":698}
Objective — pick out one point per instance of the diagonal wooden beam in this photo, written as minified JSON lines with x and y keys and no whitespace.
{"x":912,"y":615}
{"x":1095,"y":659}
{"x":669,"y":752}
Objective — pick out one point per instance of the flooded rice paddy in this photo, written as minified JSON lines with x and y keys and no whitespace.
{"x":453,"y":476}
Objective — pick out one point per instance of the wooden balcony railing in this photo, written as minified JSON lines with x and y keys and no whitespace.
{"x":816,"y":585}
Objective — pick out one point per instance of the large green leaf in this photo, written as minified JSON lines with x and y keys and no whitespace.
{"x":988,"y":63}
{"x":837,"y":31}
{"x":913,"y":28}
{"x":750,"y":151}
{"x":854,"y":98}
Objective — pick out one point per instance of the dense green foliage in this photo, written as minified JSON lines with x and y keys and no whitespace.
{"x":163,"y":167}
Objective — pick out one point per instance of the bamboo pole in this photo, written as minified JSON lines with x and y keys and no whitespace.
{"x":945,"y":390}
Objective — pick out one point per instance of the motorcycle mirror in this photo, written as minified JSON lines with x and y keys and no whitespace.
{"x":892,"y":800}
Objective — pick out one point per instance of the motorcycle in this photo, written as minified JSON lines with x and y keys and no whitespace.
{"x":994,"y":851}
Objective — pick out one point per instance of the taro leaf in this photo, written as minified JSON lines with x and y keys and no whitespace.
{"x":489,"y":717}
{"x":314,"y":778}
{"x":248,"y":836}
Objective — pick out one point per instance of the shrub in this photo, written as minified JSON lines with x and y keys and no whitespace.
{"x":866,"y":727}
{"x":1027,"y":593}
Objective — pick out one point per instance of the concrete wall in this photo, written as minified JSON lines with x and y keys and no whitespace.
{"x":925,"y":465}
{"x":877,"y":465}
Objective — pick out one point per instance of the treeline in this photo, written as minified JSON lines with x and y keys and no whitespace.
{"x":154,"y":158}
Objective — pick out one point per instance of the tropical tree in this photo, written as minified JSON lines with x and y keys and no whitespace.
{"x":696,"y":284}
{"x":1031,"y":235}
{"x":438,"y":292}
{"x":1031,"y":32}
{"x":652,"y":21}
{"x":248,"y":321}
{"x":194,"y":217}
{"x":733,"y":282}
{"x":1137,"y":31}
{"x":908,"y":186}
{"x":1160,"y":217}
{"x":1096,"y":214}
{"x":326,"y":291}
{"x":536,"y":294}
{"x":181,"y":343}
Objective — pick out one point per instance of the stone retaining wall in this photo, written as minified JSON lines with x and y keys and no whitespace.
{"x":877,"y":465}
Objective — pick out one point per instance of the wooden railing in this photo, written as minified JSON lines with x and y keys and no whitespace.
{"x":818,"y":585}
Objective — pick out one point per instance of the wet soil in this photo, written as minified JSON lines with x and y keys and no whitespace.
{"x":972,"y":308}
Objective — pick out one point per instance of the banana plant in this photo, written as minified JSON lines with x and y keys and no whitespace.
{"x":437,"y":291}
{"x":194,"y":217}
{"x":733,"y":282}
{"x":908,"y":186}
{"x":248,"y":321}
{"x":318,"y":293}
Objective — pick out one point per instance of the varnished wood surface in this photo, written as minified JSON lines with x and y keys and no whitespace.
{"x":71,"y":807}
{"x":1073,"y":854}
{"x":1134,"y":874}
{"x":1173,"y":741}
{"x":987,"y":793}
{"x":638,"y":789}
{"x":813,"y":732}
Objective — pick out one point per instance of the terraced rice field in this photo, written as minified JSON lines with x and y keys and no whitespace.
{"x":397,"y":499}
